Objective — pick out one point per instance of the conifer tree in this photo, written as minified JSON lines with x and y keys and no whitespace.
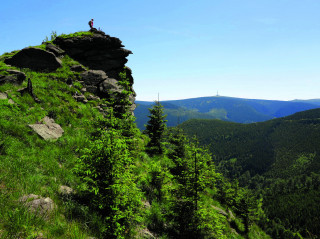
{"x":155,"y":129}
{"x":191,"y":216}
{"x":106,"y":171}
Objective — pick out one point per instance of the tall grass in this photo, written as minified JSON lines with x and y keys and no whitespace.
{"x":30,"y":165}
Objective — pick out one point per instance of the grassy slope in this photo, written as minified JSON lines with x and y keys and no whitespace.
{"x":30,"y":165}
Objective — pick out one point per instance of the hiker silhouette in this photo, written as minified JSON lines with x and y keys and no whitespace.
{"x":91,"y":24}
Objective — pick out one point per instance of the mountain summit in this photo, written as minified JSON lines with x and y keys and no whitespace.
{"x":102,"y":58}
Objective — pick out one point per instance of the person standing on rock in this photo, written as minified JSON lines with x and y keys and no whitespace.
{"x":91,"y":24}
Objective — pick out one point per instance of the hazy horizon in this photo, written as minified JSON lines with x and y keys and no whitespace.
{"x":138,"y":99}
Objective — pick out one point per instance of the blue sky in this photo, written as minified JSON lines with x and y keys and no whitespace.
{"x":263,"y":49}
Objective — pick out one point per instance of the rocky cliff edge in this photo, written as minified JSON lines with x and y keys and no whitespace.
{"x":101,"y":59}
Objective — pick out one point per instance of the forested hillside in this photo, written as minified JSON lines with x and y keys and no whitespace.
{"x":73,"y":164}
{"x":278,"y":159}
{"x":224,"y":108}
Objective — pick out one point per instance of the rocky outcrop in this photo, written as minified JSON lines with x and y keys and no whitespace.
{"x":92,"y":78}
{"x":13,"y":77}
{"x":35,"y":59}
{"x":104,"y":56}
{"x":98,"y":52}
{"x":48,"y":129}
{"x":97,"y":82}
{"x":110,"y":87}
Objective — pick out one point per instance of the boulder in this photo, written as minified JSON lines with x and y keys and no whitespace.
{"x":92,"y":89}
{"x":54,"y":49}
{"x":93,"y":77}
{"x":48,"y":129}
{"x":80,"y":98}
{"x":14,"y":77}
{"x":38,"y":204}
{"x":34,"y":58}
{"x":65,"y":190}
{"x":110,"y":87}
{"x":3,"y":96}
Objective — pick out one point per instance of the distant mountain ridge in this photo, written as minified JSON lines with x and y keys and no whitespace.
{"x":232,"y":109}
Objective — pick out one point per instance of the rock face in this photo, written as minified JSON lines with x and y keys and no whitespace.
{"x":104,"y":56}
{"x":92,"y":78}
{"x":14,"y":77}
{"x":35,"y":59}
{"x":98,"y":52}
{"x":97,"y":82}
{"x":110,"y":87}
{"x":48,"y":130}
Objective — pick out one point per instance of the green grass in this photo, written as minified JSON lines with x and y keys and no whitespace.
{"x":7,"y":55}
{"x":28,"y":164}
{"x":77,"y":34}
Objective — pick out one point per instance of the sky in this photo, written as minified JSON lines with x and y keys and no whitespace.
{"x":256,"y":49}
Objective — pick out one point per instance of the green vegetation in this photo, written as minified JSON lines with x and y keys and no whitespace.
{"x":120,"y":190}
{"x":54,"y":35}
{"x":106,"y":167}
{"x":278,"y":159}
{"x":155,"y":129}
{"x":29,"y":164}
{"x":77,"y":34}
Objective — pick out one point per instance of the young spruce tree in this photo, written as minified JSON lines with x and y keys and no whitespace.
{"x":155,"y":129}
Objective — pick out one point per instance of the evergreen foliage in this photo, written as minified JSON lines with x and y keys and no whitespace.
{"x":275,"y":160}
{"x":155,"y":129}
{"x":193,"y":173}
{"x":106,"y":168}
